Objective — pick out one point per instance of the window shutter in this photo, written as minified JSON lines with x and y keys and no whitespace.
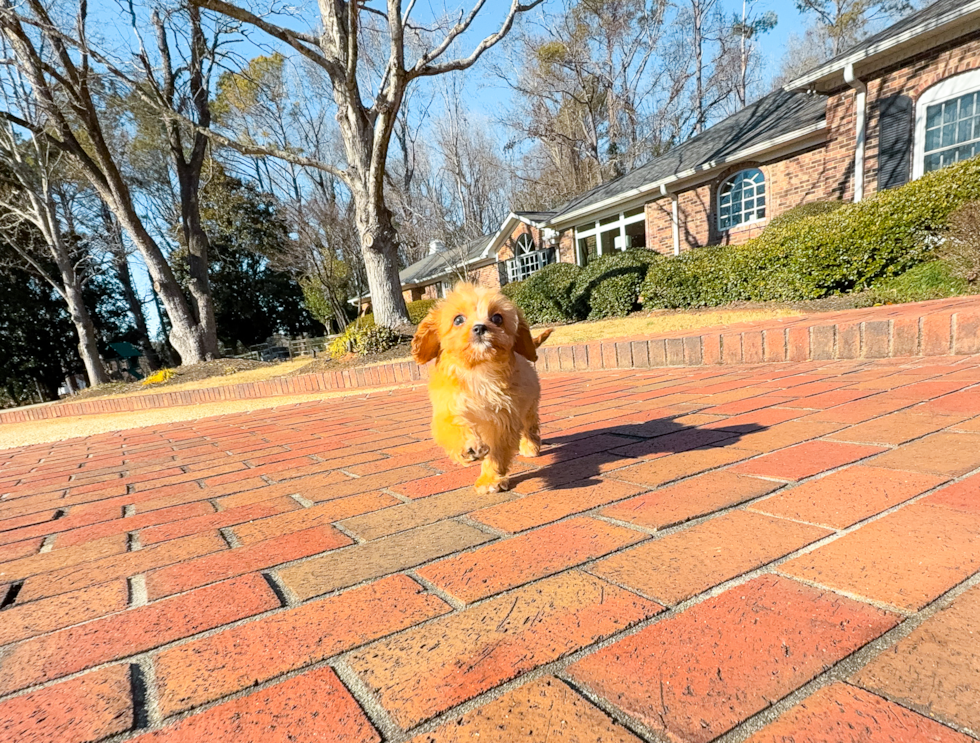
{"x":894,"y":141}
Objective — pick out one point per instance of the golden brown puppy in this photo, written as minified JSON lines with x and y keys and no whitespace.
{"x":484,"y":389}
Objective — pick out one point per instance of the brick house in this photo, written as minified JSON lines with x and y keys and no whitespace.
{"x":898,"y":104}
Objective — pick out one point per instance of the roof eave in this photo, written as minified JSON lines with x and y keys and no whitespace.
{"x":947,"y":27}
{"x":787,"y":143}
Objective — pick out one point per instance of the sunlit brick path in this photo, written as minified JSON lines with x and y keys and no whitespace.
{"x":778,"y":552}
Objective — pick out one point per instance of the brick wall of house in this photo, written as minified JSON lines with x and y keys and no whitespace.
{"x":488,"y":276}
{"x":820,"y":173}
{"x":912,"y":78}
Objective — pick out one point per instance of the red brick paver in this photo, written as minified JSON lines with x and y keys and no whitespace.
{"x":691,"y":547}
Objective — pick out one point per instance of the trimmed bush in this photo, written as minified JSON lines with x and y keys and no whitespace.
{"x":816,"y":251}
{"x":961,"y":246}
{"x":418,"y":309}
{"x":610,"y":285}
{"x":547,"y":295}
{"x":513,"y":290}
{"x":932,"y":280}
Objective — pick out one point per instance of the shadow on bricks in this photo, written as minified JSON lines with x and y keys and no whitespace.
{"x":574,"y":460}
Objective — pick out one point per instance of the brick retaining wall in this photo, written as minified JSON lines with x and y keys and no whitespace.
{"x":937,"y":328}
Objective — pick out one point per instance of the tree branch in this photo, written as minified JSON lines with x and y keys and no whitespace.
{"x":298,"y":41}
{"x":424,"y":68}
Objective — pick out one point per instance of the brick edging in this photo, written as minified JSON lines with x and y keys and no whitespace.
{"x":939,"y":328}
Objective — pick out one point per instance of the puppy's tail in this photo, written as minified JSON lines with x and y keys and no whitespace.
{"x":543,"y":337}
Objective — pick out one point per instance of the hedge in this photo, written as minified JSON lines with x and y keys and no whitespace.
{"x":609,"y":286}
{"x":546,"y":296}
{"x":815,"y":251}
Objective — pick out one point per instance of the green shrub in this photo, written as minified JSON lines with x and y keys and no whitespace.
{"x":363,"y":336}
{"x":610,"y":285}
{"x":819,"y":250}
{"x":513,"y":290}
{"x":932,"y":280}
{"x":547,"y":295}
{"x":961,"y":246}
{"x":377,"y":340}
{"x":418,"y":309}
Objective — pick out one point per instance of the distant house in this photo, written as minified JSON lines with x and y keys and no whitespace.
{"x":900,"y":103}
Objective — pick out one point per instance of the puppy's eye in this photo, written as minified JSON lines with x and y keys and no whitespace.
{"x":459,"y":320}
{"x":497,"y":319}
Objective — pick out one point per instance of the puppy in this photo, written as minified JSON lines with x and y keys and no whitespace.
{"x":483,"y":388}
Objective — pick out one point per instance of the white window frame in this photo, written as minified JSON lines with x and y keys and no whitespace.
{"x":527,"y":238}
{"x":755,"y":219}
{"x":951,"y":87}
{"x":596,"y":230}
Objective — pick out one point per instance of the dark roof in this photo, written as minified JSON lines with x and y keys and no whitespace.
{"x":535,"y":216}
{"x":775,"y":115}
{"x":442,"y":263}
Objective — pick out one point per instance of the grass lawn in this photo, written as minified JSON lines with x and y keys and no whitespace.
{"x":661,"y":322}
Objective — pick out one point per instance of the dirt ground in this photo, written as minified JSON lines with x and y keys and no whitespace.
{"x":183,"y":375}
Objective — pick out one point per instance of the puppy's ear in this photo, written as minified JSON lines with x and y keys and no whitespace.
{"x":524,"y":344}
{"x":425,"y":343}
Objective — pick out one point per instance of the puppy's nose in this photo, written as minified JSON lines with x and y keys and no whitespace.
{"x":479,"y":328}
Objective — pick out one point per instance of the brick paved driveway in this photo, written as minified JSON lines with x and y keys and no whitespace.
{"x":782,"y":552}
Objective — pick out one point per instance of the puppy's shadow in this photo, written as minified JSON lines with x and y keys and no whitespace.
{"x":574,"y":460}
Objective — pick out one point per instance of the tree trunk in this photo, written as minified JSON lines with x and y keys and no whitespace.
{"x":187,"y":335}
{"x":198,"y":284}
{"x":88,"y":347}
{"x":379,"y":245}
{"x":115,"y":240}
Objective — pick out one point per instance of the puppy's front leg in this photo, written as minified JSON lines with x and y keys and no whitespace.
{"x":458,"y":438}
{"x":493,"y":474}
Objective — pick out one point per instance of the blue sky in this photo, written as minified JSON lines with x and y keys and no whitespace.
{"x":483,"y":97}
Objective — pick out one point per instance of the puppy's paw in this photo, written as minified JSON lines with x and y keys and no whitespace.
{"x":529,"y":448}
{"x":491,"y":484}
{"x":474,"y":451}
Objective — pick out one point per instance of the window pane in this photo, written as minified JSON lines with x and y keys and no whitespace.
{"x":949,"y":112}
{"x":933,"y":140}
{"x":609,"y":220}
{"x":966,"y":106}
{"x":634,"y":212}
{"x":587,"y":247}
{"x":636,"y":235}
{"x":933,"y":115}
{"x":609,"y":241}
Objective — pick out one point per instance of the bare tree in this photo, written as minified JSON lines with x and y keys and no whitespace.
{"x":742,"y":55}
{"x":600,"y":87}
{"x":65,"y":78}
{"x":366,"y":125}
{"x":32,"y":196}
{"x":845,"y":21}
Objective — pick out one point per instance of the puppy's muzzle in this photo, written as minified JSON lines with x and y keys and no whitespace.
{"x":479,"y":330}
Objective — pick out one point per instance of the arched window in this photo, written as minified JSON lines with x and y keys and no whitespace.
{"x":947,"y":123}
{"x":742,"y":198}
{"x":525,"y":244}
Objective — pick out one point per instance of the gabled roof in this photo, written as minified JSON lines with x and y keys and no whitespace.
{"x":777,"y":120}
{"x":935,"y":24}
{"x":441,"y":264}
